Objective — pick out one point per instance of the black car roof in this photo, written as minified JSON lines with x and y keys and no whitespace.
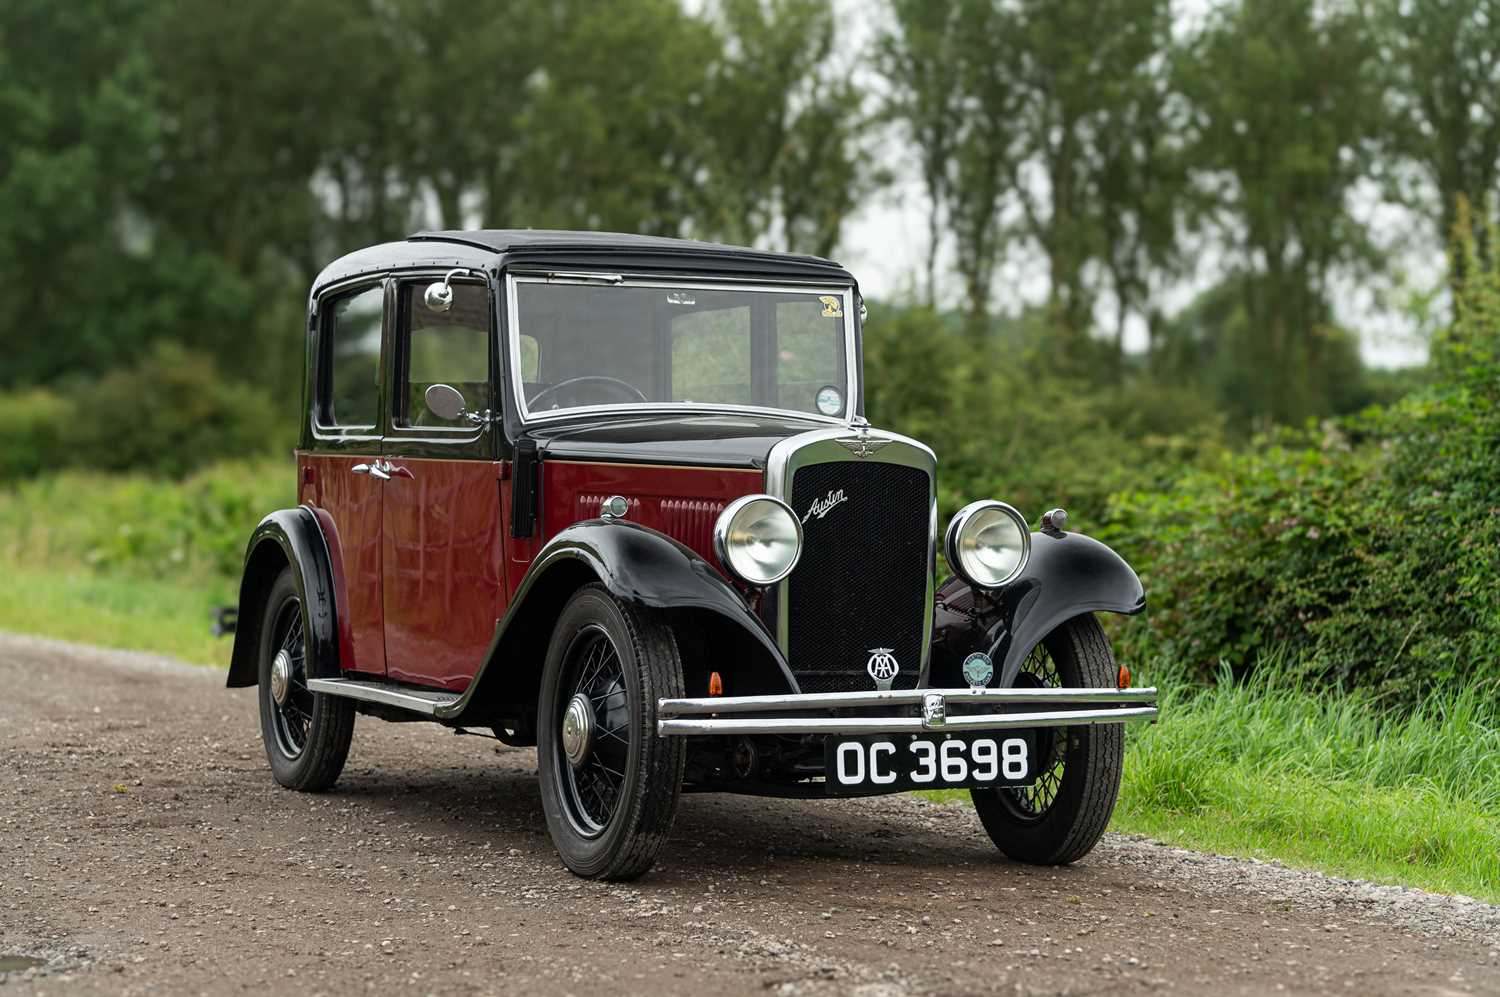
{"x":507,"y":240}
{"x":496,"y":248}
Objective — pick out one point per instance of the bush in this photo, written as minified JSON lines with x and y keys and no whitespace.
{"x":169,"y":414}
{"x":143,"y":527}
{"x":33,"y":427}
{"x":1368,"y":548}
{"x":172,"y":413}
{"x":1006,"y":424}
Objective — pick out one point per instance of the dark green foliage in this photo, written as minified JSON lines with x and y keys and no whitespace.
{"x":169,"y":413}
{"x":1005,"y":425}
{"x":1214,"y":347}
{"x":1368,"y":548}
{"x":1277,"y":154}
{"x":33,"y":427}
{"x":172,"y":171}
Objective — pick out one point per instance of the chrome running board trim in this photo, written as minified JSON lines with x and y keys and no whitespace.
{"x":424,"y":701}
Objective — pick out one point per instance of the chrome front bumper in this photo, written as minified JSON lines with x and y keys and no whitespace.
{"x":782,"y":714}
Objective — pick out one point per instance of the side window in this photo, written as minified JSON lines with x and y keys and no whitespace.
{"x":451,"y":348}
{"x":352,"y":385}
{"x":711,"y":357}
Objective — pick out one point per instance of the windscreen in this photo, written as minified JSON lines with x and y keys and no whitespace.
{"x":583,"y":345}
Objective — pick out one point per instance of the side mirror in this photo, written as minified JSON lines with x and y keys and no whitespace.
{"x":444,"y":400}
{"x":438,"y":297}
{"x":439,"y":294}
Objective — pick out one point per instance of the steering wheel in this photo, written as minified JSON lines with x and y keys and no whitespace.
{"x":624,"y":388}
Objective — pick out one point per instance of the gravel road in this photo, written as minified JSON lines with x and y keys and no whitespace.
{"x":145,"y":849}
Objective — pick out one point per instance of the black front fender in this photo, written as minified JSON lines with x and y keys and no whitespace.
{"x":637,"y":565}
{"x":1069,"y":574}
{"x":287,"y":536}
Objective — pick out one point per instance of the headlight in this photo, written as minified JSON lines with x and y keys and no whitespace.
{"x":758,"y":538}
{"x":988,"y":543}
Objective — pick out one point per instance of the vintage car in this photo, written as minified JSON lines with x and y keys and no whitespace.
{"x":615,"y":497}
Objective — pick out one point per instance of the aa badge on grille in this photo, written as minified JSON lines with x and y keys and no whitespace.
{"x":882,"y":667}
{"x":978,"y":670}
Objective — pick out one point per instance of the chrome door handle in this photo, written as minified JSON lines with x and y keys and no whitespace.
{"x":395,"y":470}
{"x":373,"y":470}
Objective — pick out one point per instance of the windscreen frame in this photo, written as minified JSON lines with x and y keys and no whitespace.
{"x":513,"y":332}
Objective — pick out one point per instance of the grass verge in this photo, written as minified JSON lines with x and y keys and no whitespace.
{"x":1322,"y":780}
{"x":131,"y":614}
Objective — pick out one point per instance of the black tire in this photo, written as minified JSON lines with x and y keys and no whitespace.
{"x":1062,"y":817}
{"x":307,"y":734}
{"x":610,"y":813}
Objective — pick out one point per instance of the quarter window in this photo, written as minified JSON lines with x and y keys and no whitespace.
{"x":451,"y":348}
{"x":353,"y":383}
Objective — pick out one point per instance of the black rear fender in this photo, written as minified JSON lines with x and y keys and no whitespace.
{"x":1069,"y":574}
{"x":287,"y":536}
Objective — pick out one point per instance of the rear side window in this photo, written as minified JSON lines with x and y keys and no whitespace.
{"x":451,"y":348}
{"x":352,"y":387}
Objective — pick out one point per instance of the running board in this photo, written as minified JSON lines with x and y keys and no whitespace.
{"x":424,"y":701}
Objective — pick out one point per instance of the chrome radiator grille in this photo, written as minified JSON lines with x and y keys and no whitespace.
{"x":864,"y":579}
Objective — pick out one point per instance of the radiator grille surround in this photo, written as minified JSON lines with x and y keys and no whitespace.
{"x":865,"y":577}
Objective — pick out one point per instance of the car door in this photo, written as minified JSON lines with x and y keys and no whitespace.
{"x":441,"y":536}
{"x":338,"y":472}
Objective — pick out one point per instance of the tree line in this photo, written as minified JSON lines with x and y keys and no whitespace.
{"x":177,"y":172}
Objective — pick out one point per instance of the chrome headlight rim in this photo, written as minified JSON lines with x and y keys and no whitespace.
{"x":725,"y":522}
{"x":954,"y":536}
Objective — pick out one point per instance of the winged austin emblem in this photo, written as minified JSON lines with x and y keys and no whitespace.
{"x":861,"y":446}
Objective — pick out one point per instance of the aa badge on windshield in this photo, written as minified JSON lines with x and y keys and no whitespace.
{"x":882,"y":667}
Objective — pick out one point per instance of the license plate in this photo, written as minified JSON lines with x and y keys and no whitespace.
{"x":922,"y":761}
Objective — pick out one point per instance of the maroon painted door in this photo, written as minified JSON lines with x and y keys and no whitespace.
{"x":348,"y":506}
{"x":443,"y":589}
{"x":441,"y":528}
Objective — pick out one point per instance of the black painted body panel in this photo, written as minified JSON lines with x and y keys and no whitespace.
{"x":390,"y":256}
{"x":688,"y":440}
{"x":621,"y":251}
{"x":1069,"y":574}
{"x":287,"y":536}
{"x":494,"y":250}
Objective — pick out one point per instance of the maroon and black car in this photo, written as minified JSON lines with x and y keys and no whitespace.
{"x":615,"y":497}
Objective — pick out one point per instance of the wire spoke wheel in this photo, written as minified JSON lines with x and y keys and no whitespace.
{"x":610,"y":783}
{"x":1032,"y":802}
{"x":293,"y":703}
{"x":594,"y":690}
{"x":306,"y":735}
{"x":1060,"y":817}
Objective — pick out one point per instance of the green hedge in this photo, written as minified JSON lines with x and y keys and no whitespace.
{"x":1369,"y":548}
{"x":170,"y":413}
{"x":135,"y":525}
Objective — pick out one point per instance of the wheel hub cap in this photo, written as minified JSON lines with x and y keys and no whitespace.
{"x":578,"y":729}
{"x":281,"y":676}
